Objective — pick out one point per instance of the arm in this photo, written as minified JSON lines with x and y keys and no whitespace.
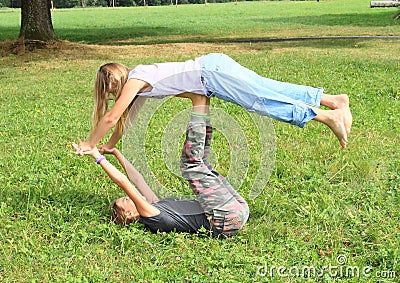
{"x":143,"y":207}
{"x":115,"y":137}
{"x":135,"y":177}
{"x":129,"y":91}
{"x":136,"y":106}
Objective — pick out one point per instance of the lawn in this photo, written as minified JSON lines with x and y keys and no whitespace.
{"x":323,"y":209}
{"x":213,"y":22}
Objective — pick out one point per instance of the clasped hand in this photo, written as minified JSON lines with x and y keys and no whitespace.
{"x":84,"y":148}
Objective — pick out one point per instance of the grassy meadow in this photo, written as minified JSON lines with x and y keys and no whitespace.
{"x":335,"y":210}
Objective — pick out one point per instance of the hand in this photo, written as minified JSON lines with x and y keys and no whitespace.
{"x":84,"y":148}
{"x":104,"y":149}
{"x":93,"y":151}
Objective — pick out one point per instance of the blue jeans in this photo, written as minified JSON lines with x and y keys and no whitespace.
{"x":226,"y":79}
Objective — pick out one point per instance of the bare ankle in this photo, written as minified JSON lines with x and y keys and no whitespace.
{"x":335,"y":101}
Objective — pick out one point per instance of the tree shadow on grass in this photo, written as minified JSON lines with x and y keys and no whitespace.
{"x":9,"y":33}
{"x":382,"y":19}
{"x":142,"y":36}
{"x":111,"y":36}
{"x":134,"y":35}
{"x":311,"y":42}
{"x":145,"y":35}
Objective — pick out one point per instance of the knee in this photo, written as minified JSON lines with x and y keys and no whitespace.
{"x":245,"y":214}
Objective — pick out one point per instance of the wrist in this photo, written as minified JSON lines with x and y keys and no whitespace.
{"x":92,"y":144}
{"x":100,"y":158}
{"x":110,"y":145}
{"x":95,"y":153}
{"x":115,"y":151}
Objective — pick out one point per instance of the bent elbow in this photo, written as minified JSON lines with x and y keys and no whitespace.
{"x":110,"y":120}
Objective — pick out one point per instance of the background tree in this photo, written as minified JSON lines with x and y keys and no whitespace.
{"x":36,"y":23}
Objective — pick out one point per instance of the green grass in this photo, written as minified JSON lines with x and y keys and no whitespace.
{"x":198,"y":23}
{"x":320,"y":202}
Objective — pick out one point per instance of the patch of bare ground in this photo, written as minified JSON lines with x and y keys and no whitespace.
{"x":78,"y":50}
{"x":72,"y":51}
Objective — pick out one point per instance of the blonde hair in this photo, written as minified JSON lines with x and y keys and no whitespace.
{"x":110,"y":80}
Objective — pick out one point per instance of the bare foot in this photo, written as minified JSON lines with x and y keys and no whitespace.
{"x":340,"y":101}
{"x":344,"y":104}
{"x":336,"y":122}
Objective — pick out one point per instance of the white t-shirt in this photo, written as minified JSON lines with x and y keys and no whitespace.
{"x":170,"y":78}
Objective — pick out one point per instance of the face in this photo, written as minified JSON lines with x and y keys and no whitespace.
{"x":127,"y":209}
{"x":111,"y":87}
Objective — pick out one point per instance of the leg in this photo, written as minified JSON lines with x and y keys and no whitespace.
{"x":228,"y":80}
{"x":290,"y":103}
{"x":227,"y":211}
{"x":207,"y":149}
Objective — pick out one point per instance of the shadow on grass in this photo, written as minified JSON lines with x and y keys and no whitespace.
{"x":315,"y":42}
{"x":161,"y":35}
{"x":381,"y":19}
{"x":146,"y":35}
{"x":76,"y":203}
{"x":171,"y":34}
{"x":9,"y":33}
{"x":112,"y":36}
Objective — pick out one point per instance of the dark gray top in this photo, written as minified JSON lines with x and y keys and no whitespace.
{"x":179,"y":216}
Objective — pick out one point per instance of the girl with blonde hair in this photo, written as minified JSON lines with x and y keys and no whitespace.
{"x":209,"y":75}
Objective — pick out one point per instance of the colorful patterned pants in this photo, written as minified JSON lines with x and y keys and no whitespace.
{"x":224,"y":207}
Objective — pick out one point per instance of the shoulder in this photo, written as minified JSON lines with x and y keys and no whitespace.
{"x":144,"y":73}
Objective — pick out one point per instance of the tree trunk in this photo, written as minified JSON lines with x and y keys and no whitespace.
{"x":36,"y":24}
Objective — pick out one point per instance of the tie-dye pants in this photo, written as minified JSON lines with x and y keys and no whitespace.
{"x":226,"y":210}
